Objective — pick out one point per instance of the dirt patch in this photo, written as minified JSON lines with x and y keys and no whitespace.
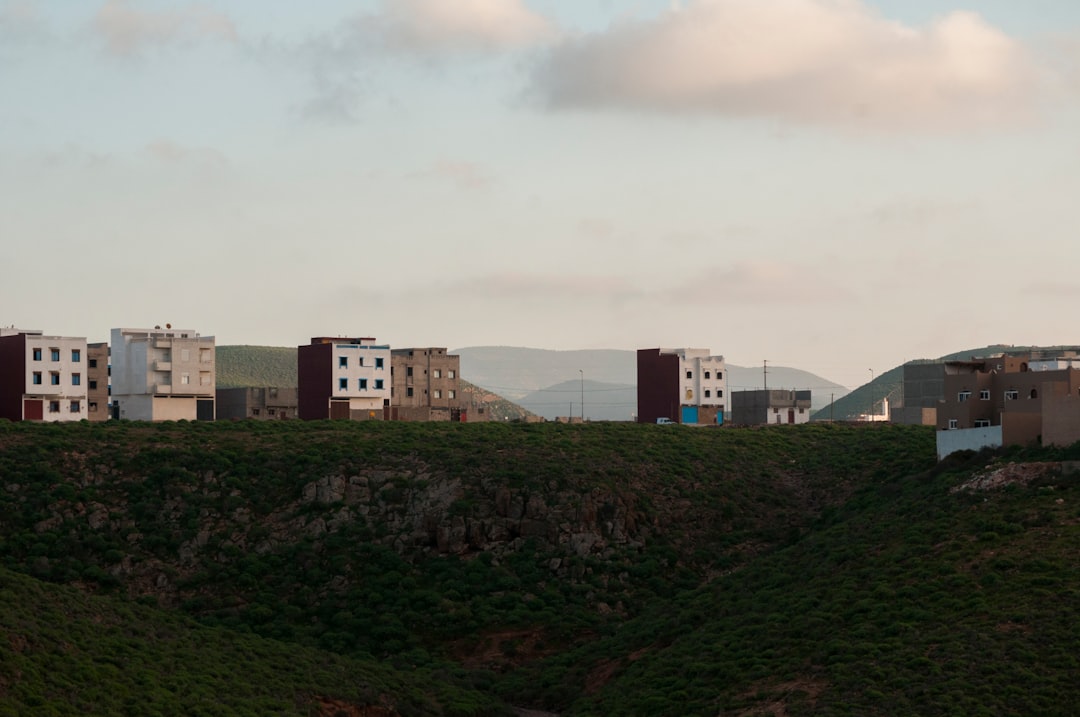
{"x":777,"y":696}
{"x":503,"y":649}
{"x":329,"y":707}
{"x":999,"y":476}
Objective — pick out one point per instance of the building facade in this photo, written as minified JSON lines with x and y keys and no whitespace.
{"x":98,"y":406}
{"x":426,"y":385}
{"x":267,"y":403}
{"x":682,"y":385}
{"x":1008,"y":400}
{"x":771,"y":406}
{"x":42,"y":378}
{"x":343,"y":378}
{"x":162,"y":374}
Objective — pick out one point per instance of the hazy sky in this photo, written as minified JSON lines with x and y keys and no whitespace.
{"x":837,"y":185}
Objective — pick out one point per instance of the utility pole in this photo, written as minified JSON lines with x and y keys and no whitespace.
{"x":765,"y":374}
{"x":582,"y":372}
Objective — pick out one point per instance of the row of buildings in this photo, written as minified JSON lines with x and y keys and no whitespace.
{"x":163,"y":374}
{"x":689,"y":386}
{"x":1012,"y":398}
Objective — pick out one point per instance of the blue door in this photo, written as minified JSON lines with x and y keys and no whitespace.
{"x":689,"y":414}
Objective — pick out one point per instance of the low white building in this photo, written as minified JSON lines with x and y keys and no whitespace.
{"x":162,"y":374}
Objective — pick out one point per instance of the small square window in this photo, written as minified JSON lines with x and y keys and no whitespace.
{"x":363,"y":384}
{"x":254,"y":412}
{"x":54,"y":407}
{"x":689,"y":374}
{"x":76,"y":379}
{"x":436,"y":373}
{"x":409,"y":391}
{"x":708,"y":393}
{"x":451,"y":373}
{"x":984,"y":395}
{"x":360,"y":361}
{"x":378,"y":384}
{"x":343,"y":384}
{"x":37,"y":354}
{"x":719,"y":394}
{"x":54,"y":379}
{"x":707,"y":374}
{"x":76,"y":355}
{"x":92,"y":407}
{"x":953,"y":424}
{"x":37,"y":378}
{"x":982,"y":422}
{"x":93,"y":385}
{"x":408,"y":370}
{"x":271,"y":412}
{"x":54,"y":354}
{"x":378,"y":363}
{"x":451,"y":393}
{"x":76,"y":406}
{"x":92,"y":363}
{"x":438,"y":393}
{"x":963,"y":396}
{"x":343,"y":362}
{"x":1012,"y":395}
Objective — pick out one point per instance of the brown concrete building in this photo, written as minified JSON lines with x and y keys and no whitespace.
{"x":97,"y":384}
{"x":1009,"y":400}
{"x":426,"y":385}
{"x":260,"y":404}
{"x":922,"y":389}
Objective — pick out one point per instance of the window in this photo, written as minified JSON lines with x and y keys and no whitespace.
{"x":378,"y":384}
{"x":708,"y":393}
{"x":408,"y":391}
{"x":37,"y":354}
{"x":451,"y":373}
{"x":254,"y":412}
{"x":37,"y":378}
{"x":1034,"y":393}
{"x":93,"y":385}
{"x":408,"y":370}
{"x":708,"y":374}
{"x":982,"y":422}
{"x":953,"y":425}
{"x":451,"y":393}
{"x":76,"y":355}
{"x":54,"y":354}
{"x":1012,"y":395}
{"x":54,"y":378}
{"x":363,"y":384}
{"x":76,"y":406}
{"x":92,"y":407}
{"x":360,"y":361}
{"x":963,"y":396}
{"x":92,"y":363}
{"x":343,"y":362}
{"x":378,"y":363}
{"x":689,"y":374}
{"x":437,"y":373}
{"x":54,"y":407}
{"x":719,"y":375}
{"x":185,"y":378}
{"x":76,"y":379}
{"x":343,"y":384}
{"x":271,"y":412}
{"x":720,"y":394}
{"x":438,"y":393}
{"x":984,"y":395}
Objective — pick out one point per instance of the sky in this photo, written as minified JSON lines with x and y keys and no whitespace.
{"x":834,"y":185}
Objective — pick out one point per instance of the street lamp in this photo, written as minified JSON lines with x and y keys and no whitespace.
{"x":582,"y":372}
{"x":871,"y":414}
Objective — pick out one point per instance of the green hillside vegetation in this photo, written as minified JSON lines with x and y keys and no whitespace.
{"x":68,"y":653}
{"x":596,"y":569}
{"x":255,"y":366}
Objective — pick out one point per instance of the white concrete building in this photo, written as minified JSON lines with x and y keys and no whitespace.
{"x":343,"y":378}
{"x":702,"y":377}
{"x":42,"y":378}
{"x":162,"y":374}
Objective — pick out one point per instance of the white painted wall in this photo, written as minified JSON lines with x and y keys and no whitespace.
{"x":69,"y":397}
{"x":964,"y":439}
{"x":362,"y":361}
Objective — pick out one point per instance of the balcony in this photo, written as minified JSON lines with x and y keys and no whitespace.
{"x":162,"y":343}
{"x":162,"y":365}
{"x":165,"y":388}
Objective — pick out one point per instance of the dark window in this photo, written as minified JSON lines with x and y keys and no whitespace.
{"x":37,"y":354}
{"x":408,"y":391}
{"x":37,"y":378}
{"x":92,"y":363}
{"x":54,"y":407}
{"x":363,"y":383}
{"x":706,"y":374}
{"x":689,"y":374}
{"x":378,"y":363}
{"x":378,"y":384}
{"x":408,"y":370}
{"x":54,"y":354}
{"x":54,"y":378}
{"x":93,"y":385}
{"x":76,"y":379}
{"x":343,"y":362}
{"x":76,"y":355}
{"x":343,"y":383}
{"x":76,"y":407}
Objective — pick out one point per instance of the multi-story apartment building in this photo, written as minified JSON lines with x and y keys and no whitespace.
{"x":1009,"y":400}
{"x":772,"y":406}
{"x":162,"y":374}
{"x":682,"y":385}
{"x":97,"y":381}
{"x":343,"y":378}
{"x":261,"y":404}
{"x":42,"y":378}
{"x":426,"y":385}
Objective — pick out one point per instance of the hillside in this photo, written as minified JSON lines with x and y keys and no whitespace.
{"x":543,"y":380}
{"x":595,"y":569}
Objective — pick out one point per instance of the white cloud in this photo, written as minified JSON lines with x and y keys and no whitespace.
{"x":819,"y":61}
{"x":126,"y":30}
{"x":436,"y":26}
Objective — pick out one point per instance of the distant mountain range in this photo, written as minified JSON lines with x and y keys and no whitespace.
{"x":549,"y":383}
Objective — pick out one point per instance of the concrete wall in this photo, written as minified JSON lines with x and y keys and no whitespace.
{"x":1061,"y":420}
{"x":268,"y":403}
{"x":425,"y":377}
{"x":968,"y":439}
{"x":657,"y":385}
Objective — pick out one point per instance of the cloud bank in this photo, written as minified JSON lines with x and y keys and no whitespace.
{"x":815,"y":61}
{"x":127,"y":30}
